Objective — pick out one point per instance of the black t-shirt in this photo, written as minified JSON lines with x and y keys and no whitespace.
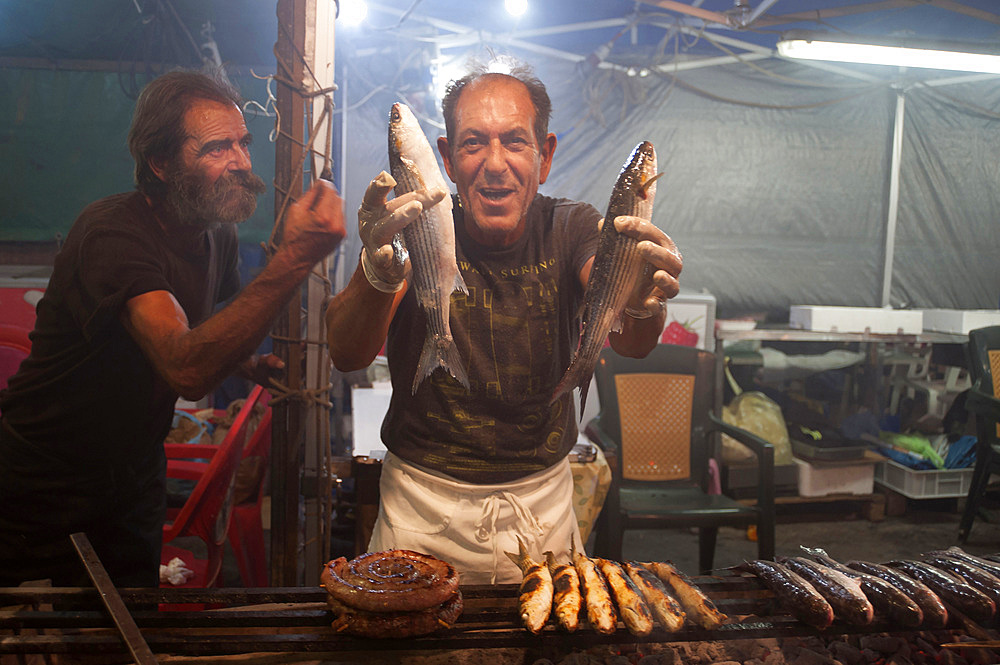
{"x":516,"y":332}
{"x":87,"y":395}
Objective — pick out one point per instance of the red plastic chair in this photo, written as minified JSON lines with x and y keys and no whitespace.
{"x":246,"y":532}
{"x":207,"y":511}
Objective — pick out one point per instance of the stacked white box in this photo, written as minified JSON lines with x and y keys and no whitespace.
{"x":827,"y":478}
{"x":960,"y":321}
{"x":878,"y":320}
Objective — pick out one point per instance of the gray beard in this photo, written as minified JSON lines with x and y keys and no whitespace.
{"x":230,"y":200}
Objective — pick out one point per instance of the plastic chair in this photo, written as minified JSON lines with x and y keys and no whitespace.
{"x":983,"y":352}
{"x":246,"y":531}
{"x":656,"y":426}
{"x":206,"y":512}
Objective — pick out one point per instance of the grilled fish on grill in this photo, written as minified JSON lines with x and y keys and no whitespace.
{"x":664,"y":606}
{"x":794,"y":593}
{"x":616,"y":269}
{"x":430,"y":241}
{"x":973,"y":575}
{"x":601,"y":612}
{"x":953,"y":590}
{"x":890,"y":603}
{"x":935,"y":614}
{"x":842,"y":592}
{"x":698,"y":607}
{"x":566,"y":593}
{"x":991,"y":567}
{"x":535,"y":599}
{"x":634,"y":612}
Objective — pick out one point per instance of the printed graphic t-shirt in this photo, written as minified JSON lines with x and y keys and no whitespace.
{"x":516,"y":332}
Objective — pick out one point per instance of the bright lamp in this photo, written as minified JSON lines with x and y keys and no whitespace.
{"x":901,"y":52}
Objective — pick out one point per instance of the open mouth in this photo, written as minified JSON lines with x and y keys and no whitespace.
{"x":494,"y":194}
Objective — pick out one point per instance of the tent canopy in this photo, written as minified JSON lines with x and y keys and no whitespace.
{"x":778,"y":178}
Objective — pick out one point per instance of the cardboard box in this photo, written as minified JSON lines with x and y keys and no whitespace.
{"x":822,"y":479}
{"x":879,"y":320}
{"x":960,"y":321}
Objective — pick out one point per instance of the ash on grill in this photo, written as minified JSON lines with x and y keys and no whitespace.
{"x":875,"y":649}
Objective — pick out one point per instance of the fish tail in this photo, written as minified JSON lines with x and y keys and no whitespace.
{"x":577,"y":375}
{"x":440,"y":351}
{"x":521,"y":559}
{"x":460,"y":284}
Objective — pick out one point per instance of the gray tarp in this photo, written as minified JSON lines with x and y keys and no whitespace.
{"x":781,"y":199}
{"x":777,"y":200}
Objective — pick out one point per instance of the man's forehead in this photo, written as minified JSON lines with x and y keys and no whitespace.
{"x":206,"y":120}
{"x":504,"y":100}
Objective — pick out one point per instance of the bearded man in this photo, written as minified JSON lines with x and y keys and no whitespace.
{"x":126,"y":326}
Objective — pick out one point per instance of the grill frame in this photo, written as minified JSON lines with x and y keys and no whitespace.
{"x":296,"y":620}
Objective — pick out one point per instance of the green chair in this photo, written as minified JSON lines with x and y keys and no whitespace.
{"x":656,"y":428}
{"x":983,"y":352}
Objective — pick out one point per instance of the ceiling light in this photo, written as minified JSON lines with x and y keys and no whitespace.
{"x":516,"y":7}
{"x":352,"y":12}
{"x":901,"y":52}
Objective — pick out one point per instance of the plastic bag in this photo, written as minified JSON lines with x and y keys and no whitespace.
{"x":916,"y":444}
{"x":759,"y":414}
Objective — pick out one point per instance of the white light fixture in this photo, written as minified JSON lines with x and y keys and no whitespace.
{"x":516,"y":7}
{"x":352,"y":12}
{"x":901,"y":52}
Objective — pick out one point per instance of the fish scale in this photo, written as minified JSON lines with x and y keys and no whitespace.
{"x":616,"y":269}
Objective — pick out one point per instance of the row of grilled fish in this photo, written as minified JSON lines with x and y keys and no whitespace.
{"x":641,"y":595}
{"x":905,"y":592}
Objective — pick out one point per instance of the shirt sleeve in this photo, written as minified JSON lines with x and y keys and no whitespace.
{"x":114,"y":266}
{"x":580,"y":222}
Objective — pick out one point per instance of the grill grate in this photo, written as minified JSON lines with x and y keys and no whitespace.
{"x":295,"y":619}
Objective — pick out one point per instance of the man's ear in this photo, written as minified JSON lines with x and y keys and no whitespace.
{"x":548,"y":148}
{"x":445,"y":155}
{"x":159,"y":167}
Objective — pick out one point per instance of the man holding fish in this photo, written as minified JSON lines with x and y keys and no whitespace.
{"x":478,"y":453}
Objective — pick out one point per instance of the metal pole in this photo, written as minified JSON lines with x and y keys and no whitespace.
{"x":890,"y":223}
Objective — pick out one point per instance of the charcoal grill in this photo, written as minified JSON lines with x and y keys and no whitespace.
{"x":72,"y":620}
{"x":295,"y":619}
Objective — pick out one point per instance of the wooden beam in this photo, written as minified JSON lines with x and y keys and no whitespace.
{"x":835,"y":12}
{"x":959,"y":8}
{"x":697,"y":12}
{"x":829,"y":12}
{"x":286,"y":448}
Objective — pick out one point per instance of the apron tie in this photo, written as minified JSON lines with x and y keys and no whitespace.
{"x":486,"y":525}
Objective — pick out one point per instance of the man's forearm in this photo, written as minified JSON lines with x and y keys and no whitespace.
{"x":217,"y":347}
{"x":357,"y":321}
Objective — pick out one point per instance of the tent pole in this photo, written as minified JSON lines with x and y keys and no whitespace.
{"x":890,"y":223}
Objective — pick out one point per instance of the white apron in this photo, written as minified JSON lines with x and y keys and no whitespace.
{"x":471,"y":526}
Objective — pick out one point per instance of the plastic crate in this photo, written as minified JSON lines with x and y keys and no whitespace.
{"x":931,"y":484}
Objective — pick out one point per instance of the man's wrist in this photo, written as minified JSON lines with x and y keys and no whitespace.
{"x":375,"y":280}
{"x":641,"y":314}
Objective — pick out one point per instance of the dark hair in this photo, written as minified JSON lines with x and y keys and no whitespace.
{"x":519,"y":72}
{"x":157,"y":130}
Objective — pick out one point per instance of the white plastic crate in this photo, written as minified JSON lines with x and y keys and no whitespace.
{"x":928,"y":484}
